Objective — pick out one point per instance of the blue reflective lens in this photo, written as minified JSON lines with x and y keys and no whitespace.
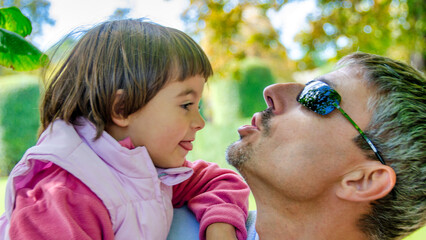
{"x":322,"y":99}
{"x":319,"y":97}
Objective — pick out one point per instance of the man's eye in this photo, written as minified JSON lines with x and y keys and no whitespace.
{"x":298,"y":95}
{"x":301,"y":92}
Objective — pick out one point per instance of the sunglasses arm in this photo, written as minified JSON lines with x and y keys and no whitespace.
{"x":362,"y":134}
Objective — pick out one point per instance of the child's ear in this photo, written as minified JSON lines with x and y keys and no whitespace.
{"x":117,"y":115}
{"x":369,"y":183}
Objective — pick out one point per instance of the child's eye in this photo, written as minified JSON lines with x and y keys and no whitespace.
{"x":186,"y":106}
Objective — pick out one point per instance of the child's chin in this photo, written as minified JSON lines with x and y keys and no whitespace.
{"x":172,"y":165}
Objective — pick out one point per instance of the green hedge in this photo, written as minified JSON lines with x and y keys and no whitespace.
{"x":253,"y":76}
{"x":19,"y":120}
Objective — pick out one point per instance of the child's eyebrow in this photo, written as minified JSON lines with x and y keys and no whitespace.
{"x":187,"y":92}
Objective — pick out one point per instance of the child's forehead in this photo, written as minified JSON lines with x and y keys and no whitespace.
{"x":191,"y":85}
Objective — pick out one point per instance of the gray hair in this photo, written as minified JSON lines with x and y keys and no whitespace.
{"x":398,"y":130}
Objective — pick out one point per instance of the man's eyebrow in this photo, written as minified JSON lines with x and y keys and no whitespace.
{"x":325,"y":80}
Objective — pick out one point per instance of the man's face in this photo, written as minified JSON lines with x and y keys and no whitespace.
{"x":295,"y":151}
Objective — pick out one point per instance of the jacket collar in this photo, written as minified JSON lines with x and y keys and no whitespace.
{"x":134,"y":162}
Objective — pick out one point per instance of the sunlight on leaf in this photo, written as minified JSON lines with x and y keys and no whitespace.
{"x":13,"y":20}
{"x":19,"y":54}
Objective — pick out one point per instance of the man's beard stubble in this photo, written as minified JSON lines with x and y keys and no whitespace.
{"x":238,"y":154}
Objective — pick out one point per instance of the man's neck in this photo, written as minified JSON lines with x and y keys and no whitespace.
{"x":279,"y":220}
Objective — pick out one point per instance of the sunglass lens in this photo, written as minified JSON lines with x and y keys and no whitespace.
{"x":319,"y":97}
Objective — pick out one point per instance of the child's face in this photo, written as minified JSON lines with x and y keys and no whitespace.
{"x":166,"y":126}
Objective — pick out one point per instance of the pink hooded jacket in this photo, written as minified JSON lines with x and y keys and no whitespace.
{"x":137,"y":196}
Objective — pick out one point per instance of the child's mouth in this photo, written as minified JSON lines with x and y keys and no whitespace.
{"x":187,"y":145}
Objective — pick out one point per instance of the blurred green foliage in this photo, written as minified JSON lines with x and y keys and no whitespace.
{"x":19,"y":121}
{"x":15,"y":51}
{"x":230,"y":31}
{"x":254,"y":75}
{"x":36,"y":10}
{"x":222,"y":101}
{"x":237,"y":29}
{"x":394,"y":28}
{"x":13,"y":20}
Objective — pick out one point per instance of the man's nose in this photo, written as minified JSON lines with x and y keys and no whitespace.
{"x":282,"y":96}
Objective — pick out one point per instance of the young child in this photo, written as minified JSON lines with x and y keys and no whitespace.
{"x":117,"y":119}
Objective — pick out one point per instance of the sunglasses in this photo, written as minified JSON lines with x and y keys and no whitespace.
{"x":319,"y":97}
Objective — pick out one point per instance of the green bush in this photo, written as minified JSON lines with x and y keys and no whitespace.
{"x":253,"y":77}
{"x":223,"y":101}
{"x":19,"y":119}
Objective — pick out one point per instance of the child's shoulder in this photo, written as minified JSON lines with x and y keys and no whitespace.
{"x":53,"y":179}
{"x":52,"y":201}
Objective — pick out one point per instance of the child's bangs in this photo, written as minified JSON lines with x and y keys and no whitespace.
{"x":189,"y":59}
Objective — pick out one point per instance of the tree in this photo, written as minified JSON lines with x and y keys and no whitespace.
{"x":36,"y":10}
{"x":394,"y":28}
{"x":255,"y":75}
{"x":16,"y":52}
{"x":230,"y":31}
{"x":120,"y":13}
{"x":19,"y":120}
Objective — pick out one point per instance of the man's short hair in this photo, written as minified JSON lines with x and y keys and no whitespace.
{"x":398,"y":130}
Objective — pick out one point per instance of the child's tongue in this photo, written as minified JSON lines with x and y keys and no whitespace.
{"x":186,"y":145}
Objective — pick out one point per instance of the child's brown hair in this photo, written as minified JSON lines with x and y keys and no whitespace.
{"x":134,"y":55}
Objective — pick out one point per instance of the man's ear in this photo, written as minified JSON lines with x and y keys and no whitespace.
{"x":371,"y":182}
{"x":117,"y":110}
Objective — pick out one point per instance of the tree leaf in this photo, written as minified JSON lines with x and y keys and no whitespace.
{"x":19,"y":54}
{"x":13,"y":20}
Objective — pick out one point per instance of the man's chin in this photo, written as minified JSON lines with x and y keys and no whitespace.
{"x":238,"y":154}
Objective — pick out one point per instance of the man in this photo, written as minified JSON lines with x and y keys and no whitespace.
{"x":342,"y":157}
{"x":316,"y":177}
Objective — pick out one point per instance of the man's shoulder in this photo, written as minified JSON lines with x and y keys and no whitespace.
{"x":185,"y":225}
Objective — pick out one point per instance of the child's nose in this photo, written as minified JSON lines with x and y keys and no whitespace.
{"x":198,"y":122}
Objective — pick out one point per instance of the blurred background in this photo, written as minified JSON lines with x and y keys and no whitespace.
{"x":251,"y":44}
